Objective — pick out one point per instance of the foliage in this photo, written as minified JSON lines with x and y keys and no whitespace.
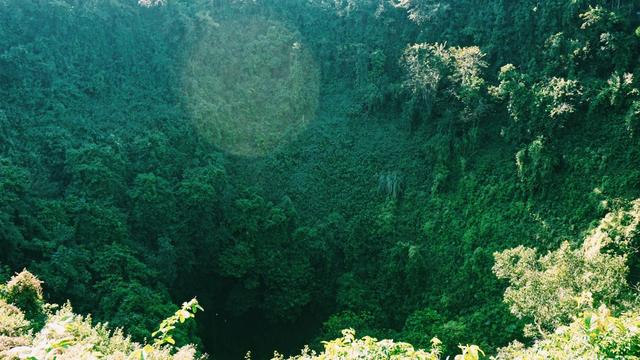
{"x":24,"y":291}
{"x":562,"y":282}
{"x":348,"y":347}
{"x":14,"y":328}
{"x":434,"y":70}
{"x":188,"y":311}
{"x":292,"y":163}
{"x":427,"y":322}
{"x":535,"y":163}
{"x":66,"y":335}
{"x":263,"y":90}
{"x":595,"y":334}
{"x":552,"y":288}
{"x":540,"y":108}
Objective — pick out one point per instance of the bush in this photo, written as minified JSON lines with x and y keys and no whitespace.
{"x":24,"y":291}
{"x":65,"y":335}
{"x":595,"y":335}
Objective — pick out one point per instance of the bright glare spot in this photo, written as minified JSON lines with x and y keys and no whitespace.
{"x":250,"y":85}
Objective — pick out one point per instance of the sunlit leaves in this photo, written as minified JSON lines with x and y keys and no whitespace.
{"x":537,"y":108}
{"x":164,"y":333}
{"x":595,"y":334}
{"x":549,"y":290}
{"x":469,"y":352}
{"x":348,"y":347}
{"x":435,"y":73}
{"x":422,"y":10}
{"x":66,"y":335}
{"x":150,"y":3}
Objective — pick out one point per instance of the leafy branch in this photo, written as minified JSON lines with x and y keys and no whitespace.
{"x":163,"y":334}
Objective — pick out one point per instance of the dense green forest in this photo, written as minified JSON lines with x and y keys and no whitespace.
{"x":410,"y":169}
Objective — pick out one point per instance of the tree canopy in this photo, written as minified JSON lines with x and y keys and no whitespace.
{"x":409,"y":169}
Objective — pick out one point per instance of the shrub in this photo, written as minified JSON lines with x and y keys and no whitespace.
{"x":24,"y":291}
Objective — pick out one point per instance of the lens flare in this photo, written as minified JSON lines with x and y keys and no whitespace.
{"x":250,"y":85}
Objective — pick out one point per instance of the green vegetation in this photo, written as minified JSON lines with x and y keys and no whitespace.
{"x":69,"y":336}
{"x":409,"y":169}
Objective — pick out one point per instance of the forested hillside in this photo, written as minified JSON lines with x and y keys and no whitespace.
{"x":411,"y":169}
